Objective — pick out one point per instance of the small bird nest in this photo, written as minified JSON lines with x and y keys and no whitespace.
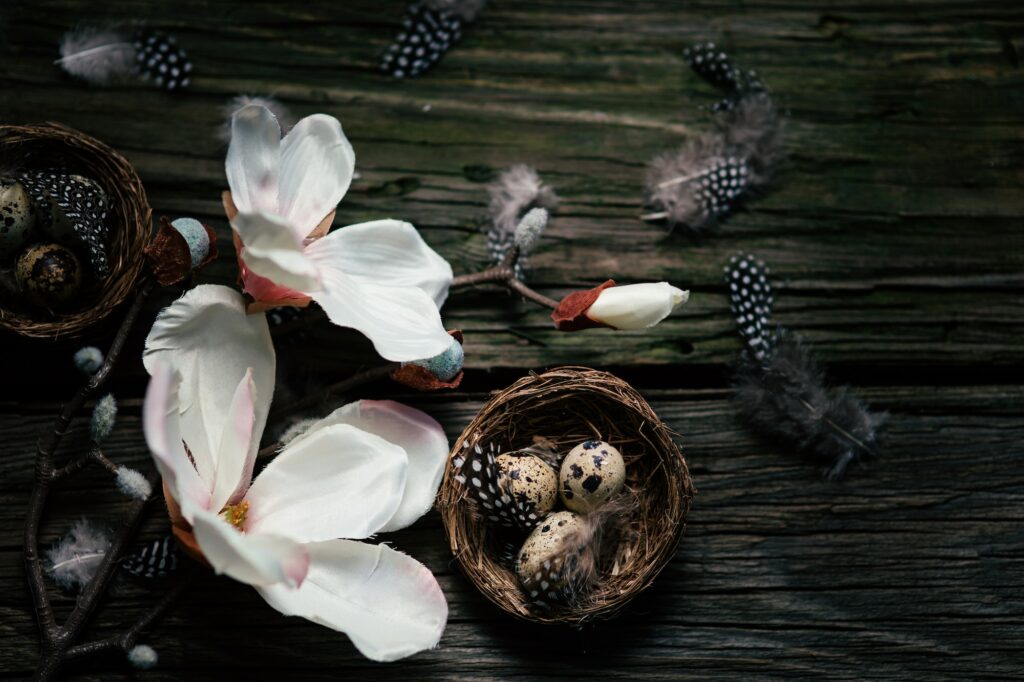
{"x":51,"y":145}
{"x":566,"y":406}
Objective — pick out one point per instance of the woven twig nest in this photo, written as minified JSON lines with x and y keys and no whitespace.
{"x":51,"y":145}
{"x":566,"y":406}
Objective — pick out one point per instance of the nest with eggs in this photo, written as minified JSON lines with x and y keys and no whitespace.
{"x":49,"y":146}
{"x":561,"y":408}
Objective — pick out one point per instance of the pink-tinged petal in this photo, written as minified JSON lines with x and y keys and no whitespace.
{"x":160,"y":423}
{"x":254,"y":159}
{"x":317,"y":163}
{"x":272,"y":250}
{"x":392,"y":253}
{"x":402,"y":322}
{"x":335,"y":482}
{"x":207,"y":337}
{"x":416,"y":432}
{"x":388,"y":604}
{"x":236,"y":455}
{"x":253,"y":558}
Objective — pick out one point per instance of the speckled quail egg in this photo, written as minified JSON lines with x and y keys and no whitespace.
{"x":49,"y":275}
{"x":17,"y":219}
{"x":540,"y":565}
{"x":528,"y":479}
{"x":591,"y":473}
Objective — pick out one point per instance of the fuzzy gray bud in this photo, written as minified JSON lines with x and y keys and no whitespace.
{"x":530,"y":229}
{"x":104,"y":414}
{"x":88,"y":359}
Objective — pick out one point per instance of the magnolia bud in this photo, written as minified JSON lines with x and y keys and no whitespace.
{"x":634,"y":306}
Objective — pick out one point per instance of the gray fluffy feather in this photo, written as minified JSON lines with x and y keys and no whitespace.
{"x":746,"y":147}
{"x":781,"y":390}
{"x":284,"y":117}
{"x":516,"y":191}
{"x":73,"y":561}
{"x":786,"y":397}
{"x":98,"y":54}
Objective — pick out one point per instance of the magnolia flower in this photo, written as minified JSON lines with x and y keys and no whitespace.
{"x":633,"y":306}
{"x":380,"y":277}
{"x":368,"y":467}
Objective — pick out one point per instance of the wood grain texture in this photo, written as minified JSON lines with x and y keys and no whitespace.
{"x":894,"y":233}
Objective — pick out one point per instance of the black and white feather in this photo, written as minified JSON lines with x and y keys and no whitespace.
{"x":74,"y":559}
{"x":153,"y":560}
{"x":717,"y":69}
{"x":108,"y":54}
{"x":161,"y":61}
{"x":73,"y":211}
{"x":781,"y":390}
{"x":710,"y":176}
{"x":516,"y":191}
{"x":476,"y":470}
{"x":429,"y":29}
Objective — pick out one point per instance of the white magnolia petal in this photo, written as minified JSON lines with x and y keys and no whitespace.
{"x":636,"y":306}
{"x":236,"y":456}
{"x":253,"y":558}
{"x":414,"y":431}
{"x":336,"y":482}
{"x":402,"y":322}
{"x":317,"y":163}
{"x":390,"y":252}
{"x":254,"y":159}
{"x":160,"y":423}
{"x":388,"y":604}
{"x":207,"y":337}
{"x":272,"y":250}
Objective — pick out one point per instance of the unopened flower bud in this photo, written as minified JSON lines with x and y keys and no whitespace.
{"x":180,"y":247}
{"x":530,"y":229}
{"x":634,"y":306}
{"x":88,"y":359}
{"x":444,"y":370}
{"x":104,"y":414}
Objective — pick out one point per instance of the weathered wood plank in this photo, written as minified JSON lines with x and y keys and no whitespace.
{"x":910,"y":568}
{"x":898,"y":213}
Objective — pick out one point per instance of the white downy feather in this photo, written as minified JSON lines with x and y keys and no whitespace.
{"x":98,"y":54}
{"x":73,"y":561}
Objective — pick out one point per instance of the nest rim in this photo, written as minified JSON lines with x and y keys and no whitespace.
{"x":48,"y":145}
{"x":653,"y":458}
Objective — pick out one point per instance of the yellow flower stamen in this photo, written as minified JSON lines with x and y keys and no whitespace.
{"x":235,"y":514}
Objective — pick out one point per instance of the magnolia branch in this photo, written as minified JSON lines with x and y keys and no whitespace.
{"x":504,"y":273}
{"x":58,"y":642}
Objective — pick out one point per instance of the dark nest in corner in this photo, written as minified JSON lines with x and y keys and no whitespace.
{"x":51,"y":145}
{"x":566,"y":406}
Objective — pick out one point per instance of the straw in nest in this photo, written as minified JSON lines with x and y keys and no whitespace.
{"x":566,"y":406}
{"x":52,"y":145}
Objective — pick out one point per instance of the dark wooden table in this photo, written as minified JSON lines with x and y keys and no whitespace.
{"x":894,"y":233}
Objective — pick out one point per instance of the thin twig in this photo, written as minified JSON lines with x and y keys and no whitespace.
{"x":504,"y":273}
{"x":130,"y":637}
{"x":94,"y":456}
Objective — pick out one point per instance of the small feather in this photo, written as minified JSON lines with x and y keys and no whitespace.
{"x":516,"y":191}
{"x":786,"y":398}
{"x":780,"y":389}
{"x":751,"y":300}
{"x":153,"y":560}
{"x":98,"y":54}
{"x":589,"y":552}
{"x":73,"y":561}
